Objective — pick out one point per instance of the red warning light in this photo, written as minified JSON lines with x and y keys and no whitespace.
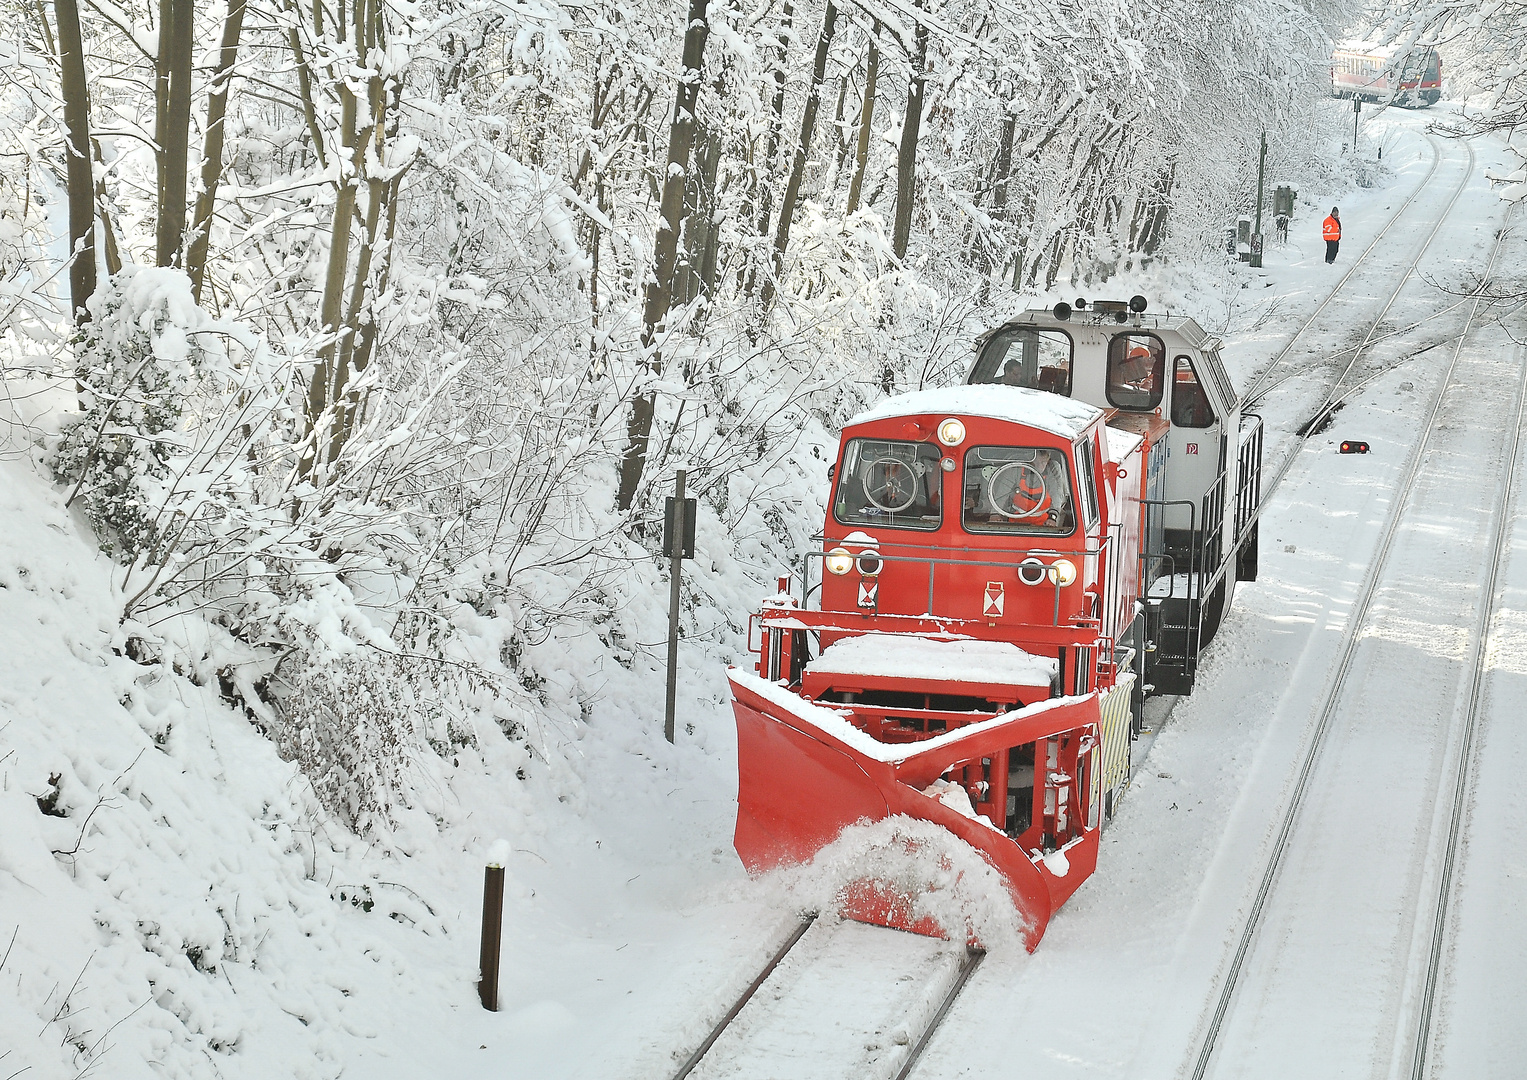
{"x":1352,"y":446}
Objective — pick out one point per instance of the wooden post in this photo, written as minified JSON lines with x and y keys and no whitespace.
{"x":675,"y":563}
{"x":492,"y":934}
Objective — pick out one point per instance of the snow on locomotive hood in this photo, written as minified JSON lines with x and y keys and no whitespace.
{"x":1036,"y":408}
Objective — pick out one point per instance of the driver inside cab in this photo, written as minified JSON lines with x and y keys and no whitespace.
{"x":1139,"y":369}
{"x":1041,"y":495}
{"x":1022,"y":489}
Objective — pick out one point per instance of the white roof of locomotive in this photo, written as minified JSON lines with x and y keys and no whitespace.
{"x":1058,"y":415}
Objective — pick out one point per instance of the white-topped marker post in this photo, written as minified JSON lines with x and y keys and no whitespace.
{"x":492,"y":925}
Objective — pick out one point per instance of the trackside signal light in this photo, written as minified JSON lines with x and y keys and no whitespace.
{"x":1353,"y":446}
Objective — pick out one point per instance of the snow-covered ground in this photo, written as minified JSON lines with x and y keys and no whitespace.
{"x":171,"y":904}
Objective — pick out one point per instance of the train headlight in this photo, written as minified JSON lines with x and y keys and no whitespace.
{"x":869,"y":562}
{"x":951,"y":432}
{"x":1032,"y":571}
{"x":1063,"y":571}
{"x":839,"y":561}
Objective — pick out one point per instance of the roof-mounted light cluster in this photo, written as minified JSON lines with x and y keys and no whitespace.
{"x":1119,"y":309}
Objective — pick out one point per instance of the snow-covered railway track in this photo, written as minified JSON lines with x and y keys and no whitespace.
{"x":837,"y":1000}
{"x":1351,"y":373}
{"x":1260,"y":385}
{"x":1343,"y":942}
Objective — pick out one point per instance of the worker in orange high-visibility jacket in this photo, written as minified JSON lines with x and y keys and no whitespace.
{"x":1331,"y":230}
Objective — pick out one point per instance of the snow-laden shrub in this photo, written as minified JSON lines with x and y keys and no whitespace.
{"x":145,"y":351}
{"x":350,"y":732}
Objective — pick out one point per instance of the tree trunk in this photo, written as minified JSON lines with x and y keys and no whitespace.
{"x":777,"y":117}
{"x":1004,"y":166}
{"x":1001,"y":170}
{"x":866,"y":118}
{"x":305,"y":83}
{"x":358,"y":311}
{"x":365,"y":333}
{"x":666,"y":247}
{"x":840,"y":135}
{"x":706,"y":248}
{"x":325,"y":381}
{"x":172,"y":125}
{"x":802,"y":149}
{"x":906,"y":155}
{"x":80,"y":178}
{"x":1150,"y":223}
{"x":699,"y":214}
{"x":112,"y":256}
{"x":212,"y":148}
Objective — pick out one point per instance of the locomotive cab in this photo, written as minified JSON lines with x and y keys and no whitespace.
{"x":1005,"y":515}
{"x":1162,"y":377}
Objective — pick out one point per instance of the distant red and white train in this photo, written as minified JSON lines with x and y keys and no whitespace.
{"x":1007,"y":569}
{"x":1371,"y":72}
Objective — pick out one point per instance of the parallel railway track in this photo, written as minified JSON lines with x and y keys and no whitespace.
{"x":1344,"y":381}
{"x":1413,"y":1022}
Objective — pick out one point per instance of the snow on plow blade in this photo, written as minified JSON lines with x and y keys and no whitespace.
{"x":804,"y":774}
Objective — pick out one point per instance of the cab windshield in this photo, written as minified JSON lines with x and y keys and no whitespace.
{"x":1018,"y":489}
{"x":1029,"y":357}
{"x":888,"y":482}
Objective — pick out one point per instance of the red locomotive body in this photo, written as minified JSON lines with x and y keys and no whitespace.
{"x":982,"y":561}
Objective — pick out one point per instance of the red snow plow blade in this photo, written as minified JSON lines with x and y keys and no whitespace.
{"x":805,"y":773}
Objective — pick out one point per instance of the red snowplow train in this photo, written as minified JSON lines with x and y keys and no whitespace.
{"x":1007,"y":569}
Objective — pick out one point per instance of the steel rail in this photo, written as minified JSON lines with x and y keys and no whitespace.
{"x":972,"y":960}
{"x":1479,"y":651}
{"x":1307,"y":432}
{"x":746,"y":996}
{"x":1372,"y":335}
{"x":1400,"y":332}
{"x":1250,"y":397}
{"x":1351,"y":636}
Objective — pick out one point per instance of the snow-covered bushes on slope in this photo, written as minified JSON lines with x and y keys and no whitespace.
{"x":147,"y":351}
{"x":174,"y":900}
